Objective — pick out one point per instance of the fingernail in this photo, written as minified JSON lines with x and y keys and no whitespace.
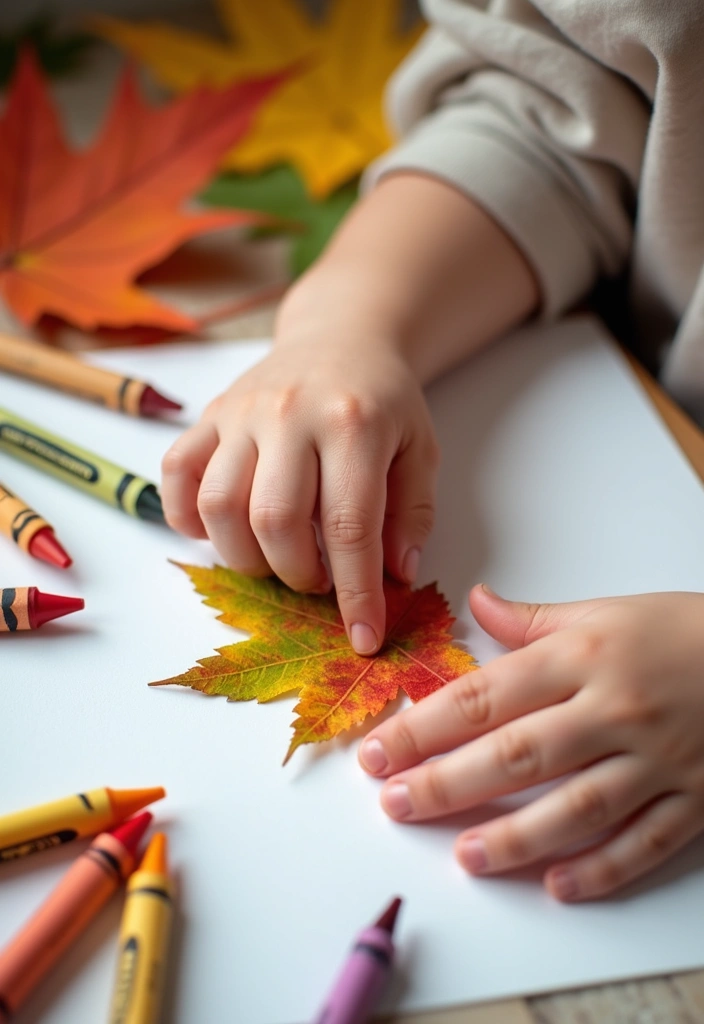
{"x":373,"y":757}
{"x":472,"y":855}
{"x":487,"y":590}
{"x":410,"y":565}
{"x":363,"y":638}
{"x":563,"y":884}
{"x":397,"y":800}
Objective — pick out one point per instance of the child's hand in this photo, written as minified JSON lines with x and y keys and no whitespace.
{"x":612,"y":690}
{"x":332,"y":423}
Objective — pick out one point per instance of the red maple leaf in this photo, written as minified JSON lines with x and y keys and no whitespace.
{"x":77,"y":227}
{"x":299,"y":643}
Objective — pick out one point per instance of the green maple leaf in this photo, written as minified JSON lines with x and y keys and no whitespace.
{"x":281,"y":193}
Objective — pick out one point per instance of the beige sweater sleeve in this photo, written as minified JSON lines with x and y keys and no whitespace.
{"x":498,"y":102}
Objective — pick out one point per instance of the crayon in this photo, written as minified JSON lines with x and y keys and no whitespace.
{"x":79,"y":467}
{"x":73,"y":817}
{"x":28,"y":608}
{"x":82,"y":892}
{"x":64,"y":371}
{"x":359,"y":985}
{"x":144,"y":940}
{"x":29,"y":530}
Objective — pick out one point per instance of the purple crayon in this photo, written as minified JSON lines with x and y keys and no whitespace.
{"x":360,"y":983}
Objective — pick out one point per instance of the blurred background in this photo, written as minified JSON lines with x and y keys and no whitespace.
{"x":299,"y":165}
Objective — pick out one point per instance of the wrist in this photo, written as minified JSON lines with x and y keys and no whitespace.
{"x":339,"y":303}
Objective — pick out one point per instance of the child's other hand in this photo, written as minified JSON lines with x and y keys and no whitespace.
{"x":332,"y":424}
{"x":611,"y":690}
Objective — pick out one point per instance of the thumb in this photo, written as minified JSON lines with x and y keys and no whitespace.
{"x":516,"y":623}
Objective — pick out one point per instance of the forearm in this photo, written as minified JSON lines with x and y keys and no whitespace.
{"x":422,"y":266}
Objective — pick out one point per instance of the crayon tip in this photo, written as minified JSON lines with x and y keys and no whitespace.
{"x":44,"y":545}
{"x":130,"y":832}
{"x":153,"y":404}
{"x":126,"y":802}
{"x":149,"y":505}
{"x":388,"y":918}
{"x":46,"y":607}
{"x":155,"y":859}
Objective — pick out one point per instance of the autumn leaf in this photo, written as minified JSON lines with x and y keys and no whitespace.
{"x":328,"y":121}
{"x":281,"y":193}
{"x":76,"y":227}
{"x":299,"y":644}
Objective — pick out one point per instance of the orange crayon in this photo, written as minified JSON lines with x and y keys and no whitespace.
{"x":82,"y":892}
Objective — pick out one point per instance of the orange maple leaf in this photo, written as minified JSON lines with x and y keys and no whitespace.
{"x":76,"y":227}
{"x":299,"y":643}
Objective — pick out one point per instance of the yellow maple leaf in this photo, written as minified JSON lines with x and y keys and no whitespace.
{"x":328,"y":121}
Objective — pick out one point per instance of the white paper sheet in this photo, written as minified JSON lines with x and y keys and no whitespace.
{"x":558,"y":483}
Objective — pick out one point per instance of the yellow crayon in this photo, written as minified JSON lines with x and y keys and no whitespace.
{"x":144,"y":940}
{"x":81,"y":814}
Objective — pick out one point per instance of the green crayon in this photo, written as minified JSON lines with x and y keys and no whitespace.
{"x":77,"y":466}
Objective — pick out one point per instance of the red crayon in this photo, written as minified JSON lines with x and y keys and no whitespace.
{"x":28,"y":608}
{"x":45,"y":546}
{"x":153,"y":403}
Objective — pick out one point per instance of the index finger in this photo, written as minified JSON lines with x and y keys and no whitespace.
{"x":352,"y":505}
{"x":510,"y":687}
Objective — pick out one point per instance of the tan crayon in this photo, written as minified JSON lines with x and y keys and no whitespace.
{"x":82,"y":892}
{"x":65,"y":372}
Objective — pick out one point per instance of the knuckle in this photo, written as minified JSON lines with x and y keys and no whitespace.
{"x":175,"y":461}
{"x":272,"y":519}
{"x":471,"y":696}
{"x":587,"y":646}
{"x":346,"y":413}
{"x":607,"y":874}
{"x":518,"y":754}
{"x":179,"y":520}
{"x":538,"y":616}
{"x":351,"y":416}
{"x":214,"y":503}
{"x":405,"y":741}
{"x":348,"y":594}
{"x":285,"y":402}
{"x":516,"y":845}
{"x":436,"y":783}
{"x":347,"y":526}
{"x":635,"y":704}
{"x":657,"y":842}
{"x":588,"y":806}
{"x":423,"y":516}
